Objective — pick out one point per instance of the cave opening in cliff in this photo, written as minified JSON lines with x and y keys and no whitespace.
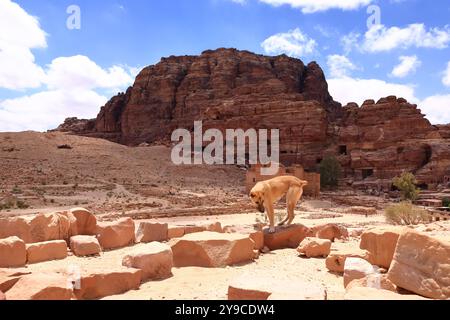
{"x":367,"y":173}
{"x":422,"y":186}
{"x":428,"y":154}
{"x":343,"y":150}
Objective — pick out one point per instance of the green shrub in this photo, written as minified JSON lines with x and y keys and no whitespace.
{"x":406,"y":183}
{"x":405,"y":213}
{"x":446,"y":202}
{"x":330,"y":172}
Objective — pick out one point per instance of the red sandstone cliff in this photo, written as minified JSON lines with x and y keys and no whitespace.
{"x":227,"y":88}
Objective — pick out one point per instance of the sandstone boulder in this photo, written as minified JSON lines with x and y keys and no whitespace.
{"x":314,"y":247}
{"x":37,"y":228}
{"x":41,"y":286}
{"x":366,"y":293}
{"x":335,"y":261}
{"x":357,"y":268}
{"x":258,"y":287}
{"x":194,"y":229}
{"x":376,"y":281}
{"x":212,"y":249}
{"x":117,"y":234}
{"x":83,"y":246}
{"x":214,"y":227}
{"x":72,"y":221}
{"x":154,"y":259}
{"x":46,"y":251}
{"x":13,"y":253}
{"x":422,"y":265}
{"x":85,"y":220}
{"x":380,"y":242}
{"x":149,"y":232}
{"x":9,"y":277}
{"x":255,"y":235}
{"x":2,"y":296}
{"x":285,"y":237}
{"x":107,"y":282}
{"x":355,"y":232}
{"x":175,"y":232}
{"x":330,"y":232}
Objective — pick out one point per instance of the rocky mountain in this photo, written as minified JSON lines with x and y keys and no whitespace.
{"x":227,"y":88}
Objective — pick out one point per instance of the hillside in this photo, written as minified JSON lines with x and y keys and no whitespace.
{"x":106,"y":177}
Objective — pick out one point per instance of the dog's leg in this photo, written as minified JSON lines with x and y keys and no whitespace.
{"x":271,"y":216}
{"x":293,"y":195}
{"x":282,"y":223}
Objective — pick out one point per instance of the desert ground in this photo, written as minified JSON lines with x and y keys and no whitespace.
{"x":54,"y":172}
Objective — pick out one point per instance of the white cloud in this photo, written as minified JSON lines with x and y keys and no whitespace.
{"x":350,"y":41}
{"x":446,"y":78}
{"x":437,"y":109}
{"x":46,"y":110}
{"x":380,"y":38}
{"x":82,"y":73}
{"x":19,"y":33}
{"x":408,"y":65}
{"x":311,"y":6}
{"x":70,"y":81}
{"x":293,"y":43}
{"x":339,"y":66}
{"x":347,"y":90}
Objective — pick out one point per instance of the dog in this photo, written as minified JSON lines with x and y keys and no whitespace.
{"x":266,"y":193}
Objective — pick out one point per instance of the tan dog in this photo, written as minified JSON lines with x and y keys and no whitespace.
{"x":264,"y":194}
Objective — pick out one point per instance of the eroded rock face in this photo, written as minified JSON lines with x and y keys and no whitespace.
{"x":212,"y":249}
{"x":229,"y":89}
{"x":421,"y":265}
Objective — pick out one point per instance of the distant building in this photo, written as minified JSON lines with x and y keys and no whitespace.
{"x":312,"y":189}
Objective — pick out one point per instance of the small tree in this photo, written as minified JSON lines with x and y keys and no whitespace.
{"x":330,"y":172}
{"x":406,"y":183}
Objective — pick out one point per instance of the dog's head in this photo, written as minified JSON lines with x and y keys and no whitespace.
{"x":257,"y":197}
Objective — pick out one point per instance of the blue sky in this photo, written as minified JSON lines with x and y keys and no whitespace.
{"x":51,"y":72}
